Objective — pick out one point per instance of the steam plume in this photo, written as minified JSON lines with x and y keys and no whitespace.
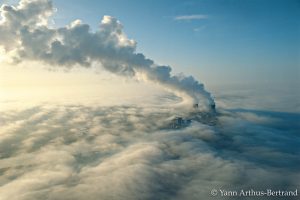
{"x":26,"y":35}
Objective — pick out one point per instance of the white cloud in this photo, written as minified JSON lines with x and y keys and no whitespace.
{"x":126,"y":152}
{"x":26,"y":35}
{"x":190,"y":17}
{"x":198,"y":29}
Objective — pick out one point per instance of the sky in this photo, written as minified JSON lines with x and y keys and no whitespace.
{"x":223,"y":44}
{"x":236,"y":42}
{"x":231,"y":43}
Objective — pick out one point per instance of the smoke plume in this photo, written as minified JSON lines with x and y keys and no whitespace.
{"x":26,"y":35}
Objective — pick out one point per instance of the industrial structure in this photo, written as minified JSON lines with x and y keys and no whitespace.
{"x":208,"y":118}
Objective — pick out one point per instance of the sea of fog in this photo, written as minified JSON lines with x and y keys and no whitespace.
{"x":116,"y":147}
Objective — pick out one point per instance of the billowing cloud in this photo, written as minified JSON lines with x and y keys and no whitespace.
{"x":26,"y":35}
{"x":127,"y":152}
{"x":190,"y":17}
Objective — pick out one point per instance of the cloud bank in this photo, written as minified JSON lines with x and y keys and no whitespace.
{"x":26,"y":35}
{"x":74,"y":152}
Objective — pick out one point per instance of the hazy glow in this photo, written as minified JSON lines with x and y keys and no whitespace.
{"x":35,"y":84}
{"x":1,"y":55}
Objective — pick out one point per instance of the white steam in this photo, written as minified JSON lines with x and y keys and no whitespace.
{"x":26,"y":35}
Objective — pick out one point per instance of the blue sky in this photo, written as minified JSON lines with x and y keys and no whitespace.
{"x":234,"y":42}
